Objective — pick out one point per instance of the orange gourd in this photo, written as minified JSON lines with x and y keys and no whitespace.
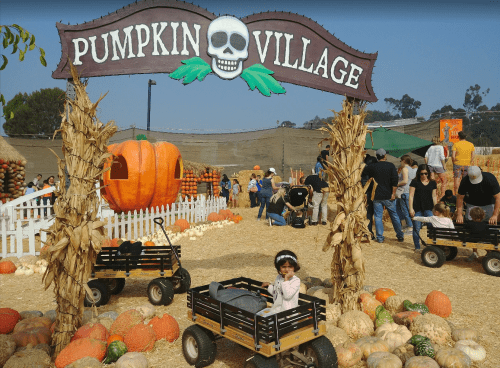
{"x":213,"y":216}
{"x":149,"y":244}
{"x":125,"y":321}
{"x":182,"y":223}
{"x":382,"y":294}
{"x":438,"y":303}
{"x":141,"y":337}
{"x":114,"y":338}
{"x":256,"y":167}
{"x":81,"y":348}
{"x":7,"y":267}
{"x":165,"y":327}
{"x":91,"y":330}
{"x":142,"y":175}
{"x":369,"y":304}
{"x":8,"y":320}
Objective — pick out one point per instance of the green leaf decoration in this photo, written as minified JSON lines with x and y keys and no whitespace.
{"x":21,"y":55}
{"x":42,"y":60}
{"x":194,"y":68}
{"x":4,"y":64}
{"x":5,"y":42}
{"x":141,"y":137}
{"x":25,"y":35}
{"x":32,"y":41}
{"x":20,"y":29}
{"x":14,"y":48}
{"x":259,"y":76}
{"x":42,"y":53}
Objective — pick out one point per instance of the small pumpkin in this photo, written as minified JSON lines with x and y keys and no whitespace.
{"x":140,"y":337}
{"x":7,"y":267}
{"x":381,"y":294}
{"x":393,"y":334}
{"x":114,"y":338}
{"x":149,"y":244}
{"x":165,"y":327}
{"x":404,"y":352}
{"x":421,"y":362}
{"x":464,"y":334}
{"x":425,"y":348}
{"x":417,"y":339}
{"x":433,"y":327}
{"x":33,"y":336}
{"x":370,"y":344}
{"x":125,"y":321}
{"x":256,"y":167}
{"x":356,"y":323}
{"x":382,"y":316}
{"x":394,"y":304}
{"x":8,"y":320}
{"x":452,"y":358}
{"x":132,"y":359}
{"x":348,"y":354}
{"x":335,"y":334}
{"x":415,"y":307}
{"x":91,"y":330}
{"x":33,"y":322}
{"x":81,"y":348}
{"x":438,"y":303}
{"x":405,"y":318}
{"x":381,"y":359}
{"x":369,"y":304}
{"x":182,"y":223}
{"x":213,"y":216}
{"x":475,"y":351}
{"x":114,"y":351}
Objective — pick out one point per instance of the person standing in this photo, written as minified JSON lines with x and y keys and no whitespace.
{"x":435,"y":158}
{"x":386,"y":176}
{"x":325,"y":154}
{"x":252,"y":190}
{"x":37,"y":182}
{"x":462,"y":156}
{"x":319,"y":198}
{"x":225,"y":185}
{"x":402,"y":203}
{"x":266,"y":192}
{"x":236,"y":192}
{"x":422,"y":200}
{"x":258,"y":182}
{"x":483,"y":191}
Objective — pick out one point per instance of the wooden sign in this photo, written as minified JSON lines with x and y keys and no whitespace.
{"x":165,"y":36}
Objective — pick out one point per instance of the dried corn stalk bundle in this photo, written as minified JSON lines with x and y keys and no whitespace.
{"x":347,"y":147}
{"x":76,"y":236}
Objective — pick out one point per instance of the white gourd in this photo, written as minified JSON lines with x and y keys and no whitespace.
{"x":20,"y":271}
{"x":29,"y":272}
{"x":475,"y":351}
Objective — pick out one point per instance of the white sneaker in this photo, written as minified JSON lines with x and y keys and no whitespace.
{"x":408,"y":231}
{"x":472,"y":257}
{"x":270,"y":222}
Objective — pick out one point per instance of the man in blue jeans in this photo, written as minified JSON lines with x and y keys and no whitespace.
{"x":386,"y":176}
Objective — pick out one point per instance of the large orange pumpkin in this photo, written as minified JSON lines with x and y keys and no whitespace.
{"x":142,"y":175}
{"x":438,"y":303}
{"x":8,"y":320}
{"x":7,"y":267}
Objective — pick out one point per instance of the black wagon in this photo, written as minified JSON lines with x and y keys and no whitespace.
{"x":161,"y":263}
{"x":444,"y":243}
{"x":292,"y":338}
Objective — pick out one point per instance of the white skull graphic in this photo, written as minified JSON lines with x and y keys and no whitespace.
{"x":228,"y":39}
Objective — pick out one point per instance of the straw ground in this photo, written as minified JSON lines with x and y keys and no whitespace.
{"x":248,"y":249}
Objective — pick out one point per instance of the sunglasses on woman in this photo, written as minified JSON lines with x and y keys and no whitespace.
{"x":424,"y":173}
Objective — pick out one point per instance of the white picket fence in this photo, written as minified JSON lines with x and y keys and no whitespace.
{"x":23,"y":218}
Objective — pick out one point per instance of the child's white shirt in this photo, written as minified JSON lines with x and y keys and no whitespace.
{"x":443,"y":222}
{"x":285,"y":293}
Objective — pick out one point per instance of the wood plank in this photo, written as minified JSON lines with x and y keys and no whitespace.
{"x":459,"y":244}
{"x":139,"y":273}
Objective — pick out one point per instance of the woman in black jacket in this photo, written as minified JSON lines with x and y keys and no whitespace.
{"x":277,"y":206}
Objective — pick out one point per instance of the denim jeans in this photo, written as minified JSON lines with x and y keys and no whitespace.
{"x":278,"y":220}
{"x":253,"y":199}
{"x":417,"y":225}
{"x":402,"y":208}
{"x":264,"y":202}
{"x":378,"y":208}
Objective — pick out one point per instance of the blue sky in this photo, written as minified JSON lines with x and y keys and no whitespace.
{"x":431,"y":50}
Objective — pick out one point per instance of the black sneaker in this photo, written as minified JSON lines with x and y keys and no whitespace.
{"x":313,"y":223}
{"x":401,"y":240}
{"x":323,"y":223}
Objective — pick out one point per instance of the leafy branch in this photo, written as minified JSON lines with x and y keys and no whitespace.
{"x":194,"y":68}
{"x":259,"y":76}
{"x":17,"y":37}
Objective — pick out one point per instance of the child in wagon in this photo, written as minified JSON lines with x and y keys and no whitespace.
{"x":285,"y":289}
{"x":440,"y":217}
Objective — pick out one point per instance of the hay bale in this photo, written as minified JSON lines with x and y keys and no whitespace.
{"x":244,"y":178}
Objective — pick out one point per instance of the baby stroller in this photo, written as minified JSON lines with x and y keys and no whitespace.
{"x":297,"y":196}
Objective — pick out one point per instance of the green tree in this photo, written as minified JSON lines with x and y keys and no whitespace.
{"x":16,"y":37}
{"x":407,"y":106}
{"x":315,"y":123}
{"x":288,"y":124}
{"x":34,"y":115}
{"x":448,"y":112}
{"x":474,"y":98}
{"x":375,"y":115}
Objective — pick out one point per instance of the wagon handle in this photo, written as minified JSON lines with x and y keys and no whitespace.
{"x":159,"y":221}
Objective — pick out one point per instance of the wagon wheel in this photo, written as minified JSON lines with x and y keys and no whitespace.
{"x":450,"y":252}
{"x":321,"y":352}
{"x":99,"y":292}
{"x":491,"y":263}
{"x":160,"y":291}
{"x":258,"y":361}
{"x":181,"y":281}
{"x":433,"y":257}
{"x":115,"y":286}
{"x":198,"y":346}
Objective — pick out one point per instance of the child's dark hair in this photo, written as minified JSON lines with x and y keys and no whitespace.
{"x":442,"y":209}
{"x":286,"y":256}
{"x":477,"y":214}
{"x":30,"y":184}
{"x":448,"y":193}
{"x":236,"y":181}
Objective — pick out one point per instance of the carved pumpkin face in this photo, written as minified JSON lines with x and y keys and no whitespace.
{"x":142,"y":175}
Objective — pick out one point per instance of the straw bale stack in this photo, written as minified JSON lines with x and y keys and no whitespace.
{"x":244,"y":178}
{"x":349,"y":228}
{"x":76,"y":236}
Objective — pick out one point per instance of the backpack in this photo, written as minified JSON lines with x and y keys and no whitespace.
{"x":298,"y":222}
{"x":243,"y":299}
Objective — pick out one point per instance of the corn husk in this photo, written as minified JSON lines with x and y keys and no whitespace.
{"x":76,"y":236}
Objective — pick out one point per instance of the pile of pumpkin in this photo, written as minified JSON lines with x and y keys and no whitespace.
{"x":189,"y":184}
{"x":391,"y":331}
{"x":26,"y":266}
{"x":108,"y":338}
{"x":12,"y":179}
